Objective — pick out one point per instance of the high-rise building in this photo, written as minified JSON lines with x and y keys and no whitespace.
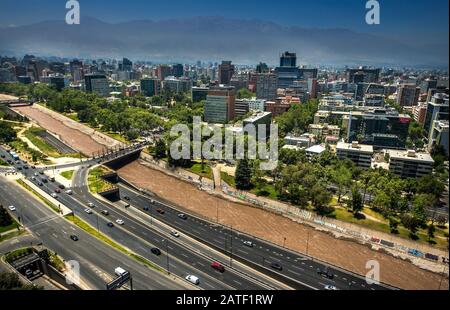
{"x":240,"y":108}
{"x":408,"y":95}
{"x":427,"y":85}
{"x":219,"y":106}
{"x":266,"y":86}
{"x":97,"y":84}
{"x":57,"y":82}
{"x":150,"y":87}
{"x":163,"y":71}
{"x":178,"y":70}
{"x":177,"y":85}
{"x":126,"y":65}
{"x":199,"y":93}
{"x":226,"y":71}
{"x":363,"y":75}
{"x":439,"y":135}
{"x":437,"y":109}
{"x":288,"y":59}
{"x":262,"y":68}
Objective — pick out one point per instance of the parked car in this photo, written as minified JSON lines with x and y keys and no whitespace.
{"x":218,"y":266}
{"x":193,"y":279}
{"x":74,"y":237}
{"x":156,"y":251}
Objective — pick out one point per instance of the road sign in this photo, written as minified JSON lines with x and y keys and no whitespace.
{"x":118,"y":282}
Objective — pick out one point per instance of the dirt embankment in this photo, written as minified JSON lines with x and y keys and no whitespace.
{"x":73,"y":137}
{"x":347,"y":254}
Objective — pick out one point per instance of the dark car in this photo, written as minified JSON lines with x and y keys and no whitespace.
{"x":105,"y":212}
{"x":156,"y":251}
{"x":325,"y":273}
{"x":276,"y":266}
{"x":40,"y":183}
{"x":110,"y":224}
{"x":57,"y":190}
{"x":126,"y":198}
{"x":33,"y":167}
{"x":160,"y":211}
{"x":25,"y":167}
{"x":146,"y":208}
{"x":19,"y":168}
{"x":2,"y":156}
{"x":74,"y":238}
{"x":61,"y":186}
{"x":44,"y":180}
{"x":41,"y":172}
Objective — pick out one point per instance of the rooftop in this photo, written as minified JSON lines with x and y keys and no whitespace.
{"x":363,"y":148}
{"x":317,"y":149}
{"x":410,"y":155}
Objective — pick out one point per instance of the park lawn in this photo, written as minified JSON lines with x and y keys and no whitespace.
{"x":9,"y":227}
{"x":229,"y":179}
{"x":11,"y":235}
{"x":42,"y":145}
{"x":68,"y":174}
{"x":27,"y":152}
{"x":346,"y":216}
{"x":265,"y":190}
{"x":206,"y":172}
{"x":72,"y":116}
{"x":95,"y":182}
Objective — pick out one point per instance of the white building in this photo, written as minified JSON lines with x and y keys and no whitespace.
{"x":409,"y":164}
{"x":360,"y":154}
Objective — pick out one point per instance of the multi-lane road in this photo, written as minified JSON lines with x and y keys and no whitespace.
{"x":97,"y":260}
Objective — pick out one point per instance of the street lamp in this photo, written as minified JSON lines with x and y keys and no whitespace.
{"x":284,"y":242}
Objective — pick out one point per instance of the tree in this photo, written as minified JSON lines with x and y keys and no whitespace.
{"x":393,"y":225}
{"x":356,"y":202}
{"x":5,"y":218}
{"x":243,"y":175}
{"x":410,"y":223}
{"x":160,"y":149}
{"x":430,"y":232}
{"x":320,"y":198}
{"x":342,"y":177}
{"x":7,"y":133}
{"x":420,"y":204}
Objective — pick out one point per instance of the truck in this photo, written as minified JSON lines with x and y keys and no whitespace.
{"x":119,"y":271}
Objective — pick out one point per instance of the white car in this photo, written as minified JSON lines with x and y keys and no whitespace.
{"x":69,"y":192}
{"x":175,"y":234}
{"x":91,"y":205}
{"x":193,"y":279}
{"x":120,"y":222}
{"x":331,"y":288}
{"x":12,"y":208}
{"x":248,"y":243}
{"x":88,"y":211}
{"x":54,"y":195}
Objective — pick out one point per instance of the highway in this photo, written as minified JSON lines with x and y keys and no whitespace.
{"x":141,"y":239}
{"x":97,"y":260}
{"x":295,"y":265}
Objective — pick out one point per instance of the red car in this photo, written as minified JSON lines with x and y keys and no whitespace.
{"x":160,"y":211}
{"x":57,"y":190}
{"x":218,"y":266}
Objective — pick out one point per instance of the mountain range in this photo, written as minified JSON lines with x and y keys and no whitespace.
{"x":215,"y":38}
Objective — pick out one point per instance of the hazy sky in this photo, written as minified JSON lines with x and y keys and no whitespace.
{"x":397,"y":16}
